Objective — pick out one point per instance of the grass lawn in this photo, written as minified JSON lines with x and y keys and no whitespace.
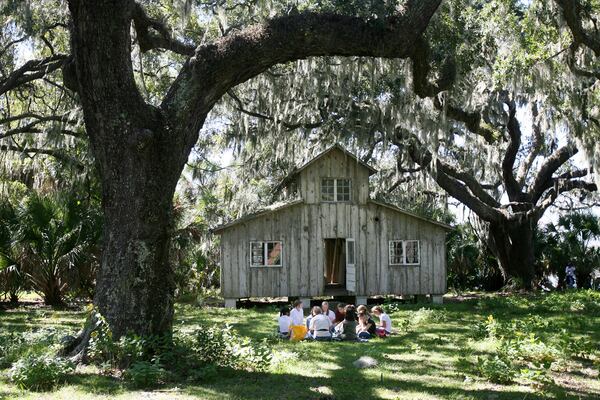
{"x":432,"y":356}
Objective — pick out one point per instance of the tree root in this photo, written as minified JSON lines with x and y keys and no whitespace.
{"x":75,"y":348}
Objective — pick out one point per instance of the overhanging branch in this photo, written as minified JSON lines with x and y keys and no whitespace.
{"x":230,"y":60}
{"x":30,"y":71}
{"x":154,"y":34}
{"x":571,"y":11}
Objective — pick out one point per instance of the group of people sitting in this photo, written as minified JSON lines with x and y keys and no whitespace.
{"x":346,"y":323}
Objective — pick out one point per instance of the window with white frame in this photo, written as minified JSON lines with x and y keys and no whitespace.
{"x":266,"y":254}
{"x":335,"y":189}
{"x":404,"y":252}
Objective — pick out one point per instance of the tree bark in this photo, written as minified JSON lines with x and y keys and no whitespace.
{"x":512,"y":243}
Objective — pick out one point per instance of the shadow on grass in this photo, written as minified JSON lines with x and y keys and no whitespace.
{"x":96,"y":383}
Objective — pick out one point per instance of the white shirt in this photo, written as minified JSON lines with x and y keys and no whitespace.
{"x":320,"y":324}
{"x":388,"y":322}
{"x":284,"y":323}
{"x":297,"y":316}
{"x":331,"y":315}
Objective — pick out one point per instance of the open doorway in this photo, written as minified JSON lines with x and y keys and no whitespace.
{"x":335,"y":264}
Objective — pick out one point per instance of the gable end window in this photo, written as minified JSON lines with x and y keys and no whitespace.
{"x":266,"y":254}
{"x":404,"y":252}
{"x":334,"y":189}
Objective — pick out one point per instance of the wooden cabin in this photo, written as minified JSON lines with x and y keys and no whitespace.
{"x":328,"y":238}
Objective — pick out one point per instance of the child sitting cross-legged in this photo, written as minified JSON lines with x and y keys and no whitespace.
{"x":284,"y":323}
{"x":385,"y":322}
{"x":371,"y":326}
{"x":364,"y":328}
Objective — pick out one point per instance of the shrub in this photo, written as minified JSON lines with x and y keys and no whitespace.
{"x":15,"y":345}
{"x":496,"y":369}
{"x":485,"y":329}
{"x":427,"y":315}
{"x":40,"y":372}
{"x":224,"y":347}
{"x":145,"y":374}
{"x":11,"y":345}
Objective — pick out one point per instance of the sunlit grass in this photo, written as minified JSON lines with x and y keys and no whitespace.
{"x":421,"y":363}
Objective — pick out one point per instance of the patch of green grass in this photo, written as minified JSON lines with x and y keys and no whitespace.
{"x":432,"y":357}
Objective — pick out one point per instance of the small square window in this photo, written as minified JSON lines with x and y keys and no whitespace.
{"x":404,"y":252}
{"x":266,"y":254}
{"x":335,"y":189}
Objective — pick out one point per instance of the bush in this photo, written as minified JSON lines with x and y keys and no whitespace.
{"x":225,"y":348}
{"x":11,"y":345}
{"x":15,"y":345}
{"x":40,"y":372}
{"x":496,"y":369}
{"x":145,"y":374}
{"x":427,"y":315}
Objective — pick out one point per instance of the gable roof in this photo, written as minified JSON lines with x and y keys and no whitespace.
{"x":329,"y":150}
{"x":313,"y":160}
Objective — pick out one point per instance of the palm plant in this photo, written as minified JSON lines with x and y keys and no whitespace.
{"x":55,"y":235}
{"x":12,"y":278}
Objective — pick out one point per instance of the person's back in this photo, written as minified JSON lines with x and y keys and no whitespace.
{"x":320,"y":325}
{"x":349,"y":330}
{"x":284,"y":324}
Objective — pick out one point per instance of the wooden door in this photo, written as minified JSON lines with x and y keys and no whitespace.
{"x":350,"y":266}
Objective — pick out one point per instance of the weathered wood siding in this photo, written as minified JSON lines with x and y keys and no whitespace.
{"x":336,"y":164}
{"x":302,"y":228}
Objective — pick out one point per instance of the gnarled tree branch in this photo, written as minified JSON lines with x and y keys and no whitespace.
{"x":543,"y":179}
{"x":571,"y":10}
{"x":471,"y":119}
{"x":30,"y":71}
{"x":154,"y":34}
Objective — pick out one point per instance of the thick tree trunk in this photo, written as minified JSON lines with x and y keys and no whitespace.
{"x":139,"y":165}
{"x":513,"y":246}
{"x":135,"y":283}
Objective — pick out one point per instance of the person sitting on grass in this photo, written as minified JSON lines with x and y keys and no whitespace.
{"x":372,"y":327}
{"x":346,"y":330}
{"x":363,"y":329}
{"x":385,"y":322}
{"x":284,"y":323}
{"x":297,"y":313}
{"x":320,"y":325}
{"x":313,"y":313}
{"x":340,"y":313}
{"x":326,"y":311}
